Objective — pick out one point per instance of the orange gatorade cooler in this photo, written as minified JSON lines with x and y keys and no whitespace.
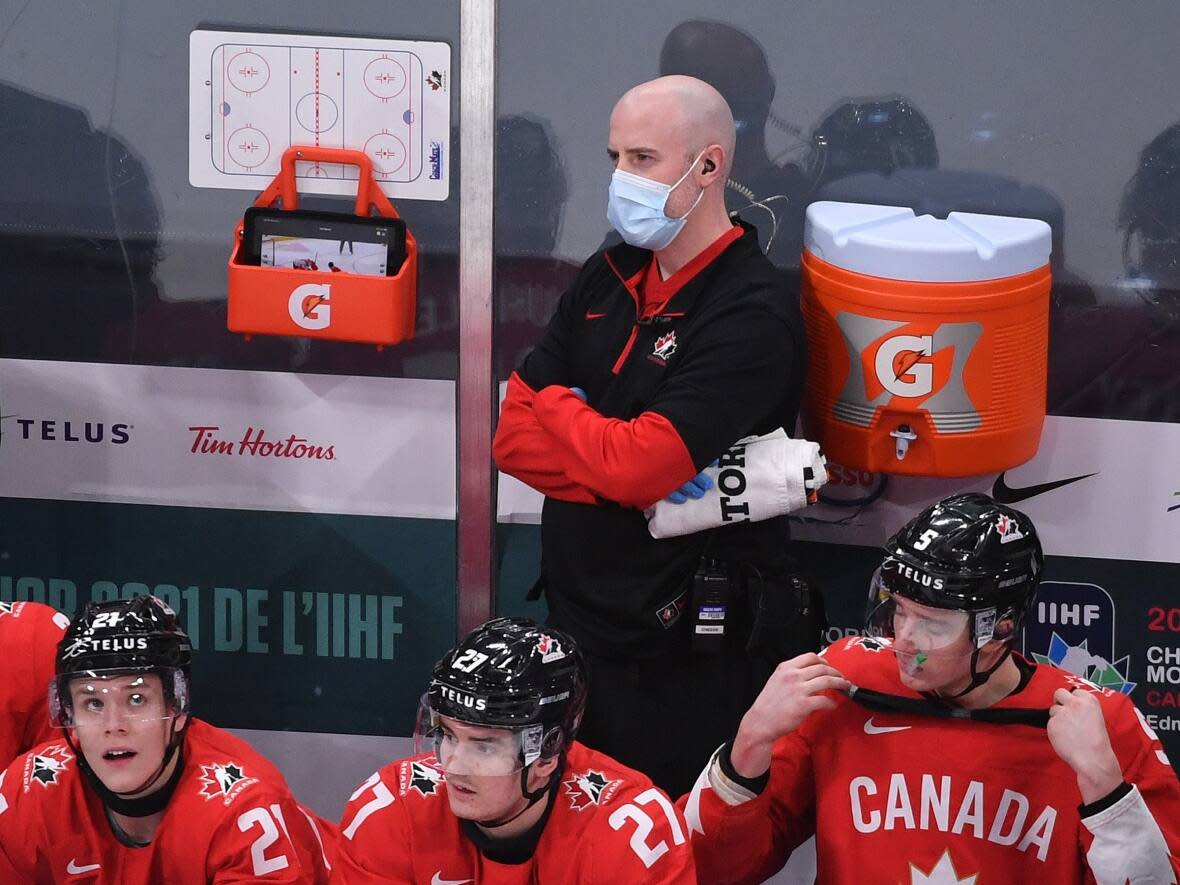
{"x":927,"y":338}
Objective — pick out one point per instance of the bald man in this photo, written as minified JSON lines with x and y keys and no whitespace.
{"x":666,"y":350}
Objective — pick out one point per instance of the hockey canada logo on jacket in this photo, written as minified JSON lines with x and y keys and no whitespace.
{"x":665,"y":347}
{"x":589,"y":788}
{"x":224,"y":780}
{"x":43,"y":768}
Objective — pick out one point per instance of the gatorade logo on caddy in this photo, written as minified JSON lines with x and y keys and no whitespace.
{"x":891,"y":358}
{"x":310,"y":307}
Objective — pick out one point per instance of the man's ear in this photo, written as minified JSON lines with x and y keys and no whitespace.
{"x":713,"y":160}
{"x":544,"y":768}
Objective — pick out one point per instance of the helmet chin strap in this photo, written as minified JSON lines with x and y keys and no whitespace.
{"x":143,"y":806}
{"x":532,"y":797}
{"x":977,"y":678}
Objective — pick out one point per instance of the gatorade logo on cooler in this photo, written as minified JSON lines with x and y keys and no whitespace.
{"x":309,"y":306}
{"x":899,"y":359}
{"x":927,"y":338}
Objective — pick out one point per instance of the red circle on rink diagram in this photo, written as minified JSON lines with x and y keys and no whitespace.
{"x":248,"y":72}
{"x":387,"y":152}
{"x":385,"y":78}
{"x":248,"y":147}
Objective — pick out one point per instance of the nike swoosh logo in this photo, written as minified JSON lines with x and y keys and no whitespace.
{"x":73,"y":869}
{"x":883,"y":729}
{"x":1005,"y":494}
{"x":589,"y":316}
{"x":439,"y":880}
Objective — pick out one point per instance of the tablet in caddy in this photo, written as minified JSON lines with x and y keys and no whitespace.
{"x":308,"y":239}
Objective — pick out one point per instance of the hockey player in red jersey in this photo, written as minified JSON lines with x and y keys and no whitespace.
{"x":135,"y":790}
{"x":29,"y":632}
{"x":928,"y":752}
{"x":506,"y":796}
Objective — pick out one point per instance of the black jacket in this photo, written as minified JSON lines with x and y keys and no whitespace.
{"x":724,"y":359}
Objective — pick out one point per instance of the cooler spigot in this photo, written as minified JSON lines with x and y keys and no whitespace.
{"x":904,"y":437}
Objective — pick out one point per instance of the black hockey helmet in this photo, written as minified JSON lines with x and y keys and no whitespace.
{"x":515,"y":674}
{"x":966,"y":553}
{"x":125,"y":636}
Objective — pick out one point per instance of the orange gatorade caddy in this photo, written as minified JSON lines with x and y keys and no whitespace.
{"x":927,"y":338}
{"x":324,"y":304}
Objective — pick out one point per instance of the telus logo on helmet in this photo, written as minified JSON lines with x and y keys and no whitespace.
{"x":918,"y":577}
{"x":467,"y":700}
{"x":81,"y":646}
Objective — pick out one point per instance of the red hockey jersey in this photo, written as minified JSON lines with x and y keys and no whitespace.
{"x":231,"y":819}
{"x":899,"y":798}
{"x":608,"y":825}
{"x":29,"y":633}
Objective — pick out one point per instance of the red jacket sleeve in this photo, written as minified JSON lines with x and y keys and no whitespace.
{"x":522,"y":448}
{"x":634,"y":463}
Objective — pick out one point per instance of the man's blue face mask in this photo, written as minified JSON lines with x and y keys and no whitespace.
{"x":635,"y":208}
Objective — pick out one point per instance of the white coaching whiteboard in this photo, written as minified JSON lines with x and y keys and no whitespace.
{"x":251,"y":96}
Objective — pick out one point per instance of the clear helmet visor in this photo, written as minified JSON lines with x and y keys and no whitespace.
{"x":117,"y":699}
{"x":917,"y":631}
{"x":471,"y":749}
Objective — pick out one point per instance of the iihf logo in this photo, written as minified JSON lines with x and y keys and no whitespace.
{"x":1072,"y":627}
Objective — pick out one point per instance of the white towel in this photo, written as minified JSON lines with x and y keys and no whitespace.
{"x":759,"y":477}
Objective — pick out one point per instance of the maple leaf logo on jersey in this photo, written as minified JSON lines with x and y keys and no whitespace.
{"x":47,"y":766}
{"x":589,"y":788}
{"x":424,"y":778}
{"x":665,"y":346}
{"x":220,"y":780}
{"x":943,"y":873}
{"x":869,"y":643}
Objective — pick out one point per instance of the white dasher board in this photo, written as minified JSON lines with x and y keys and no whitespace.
{"x":251,"y":96}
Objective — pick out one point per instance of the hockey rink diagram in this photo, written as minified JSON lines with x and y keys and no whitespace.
{"x":252,"y":97}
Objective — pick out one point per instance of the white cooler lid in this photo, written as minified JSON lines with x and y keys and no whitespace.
{"x":892,"y":242}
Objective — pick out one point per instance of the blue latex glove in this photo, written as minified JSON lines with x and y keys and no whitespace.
{"x":579,"y":393}
{"x":694,"y":488}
